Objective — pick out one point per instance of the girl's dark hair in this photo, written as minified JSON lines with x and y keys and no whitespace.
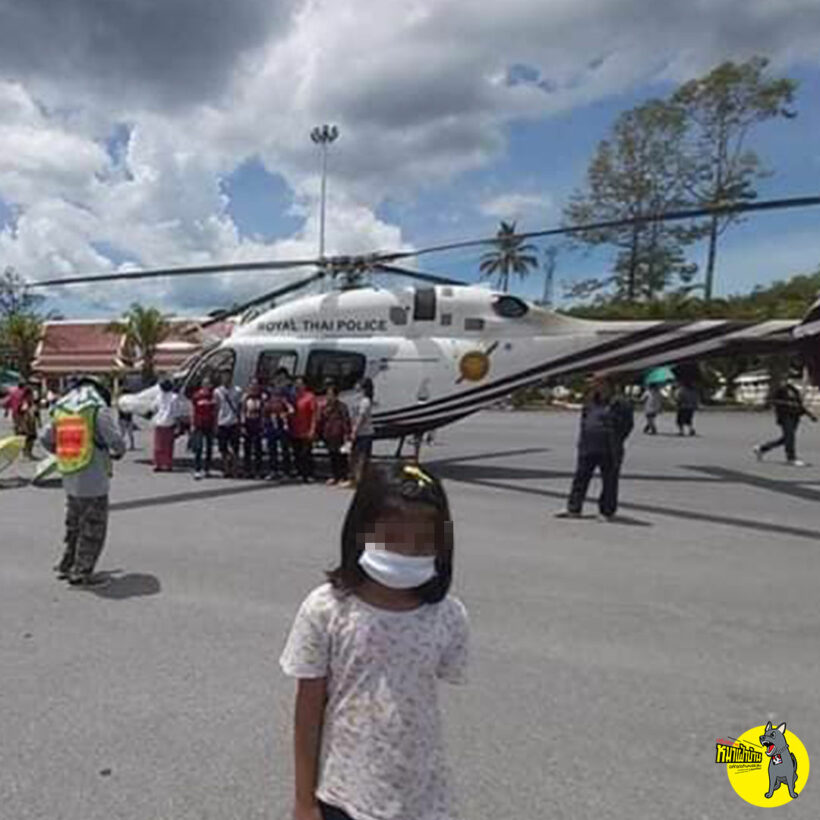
{"x":396,"y":488}
{"x":366,"y":385}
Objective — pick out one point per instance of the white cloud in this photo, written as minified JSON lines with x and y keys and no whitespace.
{"x":520,"y":207}
{"x":420,"y":90}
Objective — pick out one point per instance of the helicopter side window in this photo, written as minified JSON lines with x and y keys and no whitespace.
{"x":220,"y":363}
{"x":473,"y":324}
{"x":398,"y":316}
{"x":270,"y":361}
{"x":344,"y":368}
{"x":424,"y":305}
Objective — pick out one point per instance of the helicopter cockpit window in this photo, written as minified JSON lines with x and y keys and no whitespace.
{"x":272,"y":360}
{"x":343,"y":367}
{"x":510,"y":307}
{"x":424,"y":305}
{"x":216,"y":366}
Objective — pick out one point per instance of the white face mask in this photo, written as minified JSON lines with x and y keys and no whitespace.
{"x":395,"y":570}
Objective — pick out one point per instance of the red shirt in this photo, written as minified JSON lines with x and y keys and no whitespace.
{"x":14,"y":400}
{"x":204,"y":409}
{"x":303,"y":420}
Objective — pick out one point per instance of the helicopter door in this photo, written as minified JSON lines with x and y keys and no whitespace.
{"x":345,"y":368}
{"x":270,"y":361}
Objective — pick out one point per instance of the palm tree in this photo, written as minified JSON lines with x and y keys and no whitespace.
{"x":145,"y":329}
{"x":510,"y":256}
{"x":20,"y":333}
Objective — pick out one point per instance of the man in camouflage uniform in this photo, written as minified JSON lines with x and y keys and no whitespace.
{"x":85,"y":437}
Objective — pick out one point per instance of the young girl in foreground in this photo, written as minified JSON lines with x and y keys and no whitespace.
{"x":367,"y":649}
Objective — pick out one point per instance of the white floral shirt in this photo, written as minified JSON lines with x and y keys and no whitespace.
{"x":382,"y":753}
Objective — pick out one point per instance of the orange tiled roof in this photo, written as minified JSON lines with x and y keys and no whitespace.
{"x":86,"y":346}
{"x":72,"y":346}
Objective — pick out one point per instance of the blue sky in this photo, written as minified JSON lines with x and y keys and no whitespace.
{"x":547,"y":159}
{"x":155,"y":150}
{"x":260,"y":202}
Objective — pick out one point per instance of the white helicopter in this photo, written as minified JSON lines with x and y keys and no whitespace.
{"x":441,"y":350}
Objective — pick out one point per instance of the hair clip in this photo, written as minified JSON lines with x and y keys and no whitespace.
{"x":416,"y":484}
{"x":418,"y":474}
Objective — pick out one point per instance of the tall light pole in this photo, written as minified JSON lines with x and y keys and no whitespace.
{"x":323,"y":136}
{"x":549,"y":275}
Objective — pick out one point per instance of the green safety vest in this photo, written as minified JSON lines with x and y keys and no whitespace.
{"x":75,"y":422}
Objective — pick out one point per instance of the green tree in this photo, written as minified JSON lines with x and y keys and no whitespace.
{"x":721,"y":109}
{"x":782,"y":299}
{"x":789,"y":299}
{"x":510,"y":255}
{"x":21,"y":322}
{"x":20,"y":334}
{"x":15,"y":298}
{"x":657,"y":266}
{"x":641,"y":170}
{"x":145,"y":329}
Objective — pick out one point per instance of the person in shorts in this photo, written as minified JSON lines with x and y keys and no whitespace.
{"x":687,"y":398}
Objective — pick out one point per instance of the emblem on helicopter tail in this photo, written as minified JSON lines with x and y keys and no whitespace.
{"x":474,"y":366}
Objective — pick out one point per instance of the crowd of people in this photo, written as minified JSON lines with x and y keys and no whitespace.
{"x":686,"y":403}
{"x":269,"y":431}
{"x":607,"y":421}
{"x":266,"y":431}
{"x":786,"y":400}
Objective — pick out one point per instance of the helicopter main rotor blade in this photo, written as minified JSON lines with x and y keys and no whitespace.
{"x":265,"y":297}
{"x":386,"y":257}
{"x":415,"y":274}
{"x":193,"y":270}
{"x":668,"y":216}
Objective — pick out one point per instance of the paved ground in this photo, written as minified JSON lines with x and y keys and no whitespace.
{"x":607,"y":657}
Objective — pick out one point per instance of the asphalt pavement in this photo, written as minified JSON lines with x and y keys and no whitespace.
{"x":606,"y":658}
